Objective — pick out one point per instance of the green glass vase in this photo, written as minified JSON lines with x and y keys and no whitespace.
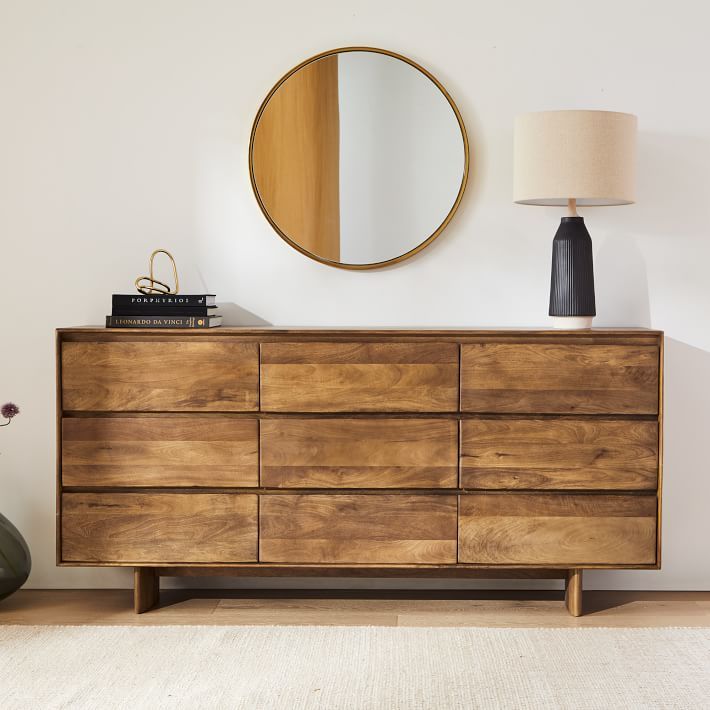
{"x":15,"y":560}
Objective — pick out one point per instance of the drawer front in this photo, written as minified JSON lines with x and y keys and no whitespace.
{"x":359,"y":377}
{"x":544,"y":378}
{"x":160,"y":452}
{"x":160,"y":376}
{"x":159,"y":528}
{"x":359,"y":453}
{"x":559,"y":454}
{"x":358,"y":529}
{"x":566,"y":530}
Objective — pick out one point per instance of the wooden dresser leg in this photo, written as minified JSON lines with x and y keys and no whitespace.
{"x":573,"y":592}
{"x":146,"y":590}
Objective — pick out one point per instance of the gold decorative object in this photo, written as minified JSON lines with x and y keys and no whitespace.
{"x":149,"y":285}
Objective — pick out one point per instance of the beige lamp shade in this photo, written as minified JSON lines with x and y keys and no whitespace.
{"x":588,"y":156}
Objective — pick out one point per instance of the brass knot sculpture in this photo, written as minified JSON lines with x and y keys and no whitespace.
{"x":149,"y":285}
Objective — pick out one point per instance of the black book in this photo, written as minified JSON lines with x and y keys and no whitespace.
{"x":170,"y":300}
{"x":163,"y":321}
{"x":153,"y":309}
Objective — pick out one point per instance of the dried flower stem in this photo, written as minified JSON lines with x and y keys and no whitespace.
{"x":8,"y":411}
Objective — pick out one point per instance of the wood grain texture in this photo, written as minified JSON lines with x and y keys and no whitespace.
{"x":143,"y":376}
{"x":357,"y":529}
{"x":359,"y":453}
{"x":559,"y":454}
{"x":296,"y":158}
{"x":359,"y":377}
{"x":159,"y":452}
{"x":572,"y":530}
{"x":636,"y":337}
{"x":661,"y":410}
{"x":159,"y":527}
{"x":402,"y":388}
{"x":542,"y":378}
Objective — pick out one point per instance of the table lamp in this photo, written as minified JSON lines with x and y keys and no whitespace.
{"x":577,"y":159}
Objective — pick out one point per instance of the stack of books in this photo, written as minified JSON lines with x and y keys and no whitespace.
{"x":136,"y":310}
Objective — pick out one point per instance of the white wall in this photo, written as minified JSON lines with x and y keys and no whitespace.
{"x":124,"y":127}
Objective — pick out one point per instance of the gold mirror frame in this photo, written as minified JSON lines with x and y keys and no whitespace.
{"x":439,"y":229}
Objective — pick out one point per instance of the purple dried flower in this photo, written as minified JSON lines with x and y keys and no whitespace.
{"x":9,"y":410}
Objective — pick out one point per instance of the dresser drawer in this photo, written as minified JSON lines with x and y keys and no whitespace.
{"x":359,"y":377}
{"x":559,"y":454}
{"x":159,"y":452}
{"x":357,"y":529}
{"x":159,"y":528}
{"x":359,"y":453}
{"x":194,"y":376}
{"x":546,"y":378}
{"x":565,"y":530}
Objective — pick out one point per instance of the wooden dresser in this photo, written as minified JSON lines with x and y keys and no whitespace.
{"x":457,"y":453}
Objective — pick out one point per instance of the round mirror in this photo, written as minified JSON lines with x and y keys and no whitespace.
{"x":358,"y":158}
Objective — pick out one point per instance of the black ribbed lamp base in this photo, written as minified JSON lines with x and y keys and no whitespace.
{"x":572,"y":281}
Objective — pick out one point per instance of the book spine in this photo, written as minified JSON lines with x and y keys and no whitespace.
{"x":150,"y":309}
{"x":120,"y":300}
{"x":157,"y":322}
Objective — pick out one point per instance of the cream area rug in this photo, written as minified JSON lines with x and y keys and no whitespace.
{"x":351,"y":667}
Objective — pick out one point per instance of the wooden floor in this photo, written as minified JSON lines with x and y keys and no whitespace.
{"x":344,"y":608}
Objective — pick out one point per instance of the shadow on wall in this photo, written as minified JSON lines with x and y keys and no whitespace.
{"x":622,"y":283}
{"x":670,"y":222}
{"x":236,"y":316}
{"x":669,"y":201}
{"x":686,"y":480}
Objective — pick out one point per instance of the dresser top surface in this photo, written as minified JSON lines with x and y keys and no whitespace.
{"x":382,"y":331}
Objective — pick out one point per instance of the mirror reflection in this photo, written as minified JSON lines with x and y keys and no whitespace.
{"x":358,"y":158}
